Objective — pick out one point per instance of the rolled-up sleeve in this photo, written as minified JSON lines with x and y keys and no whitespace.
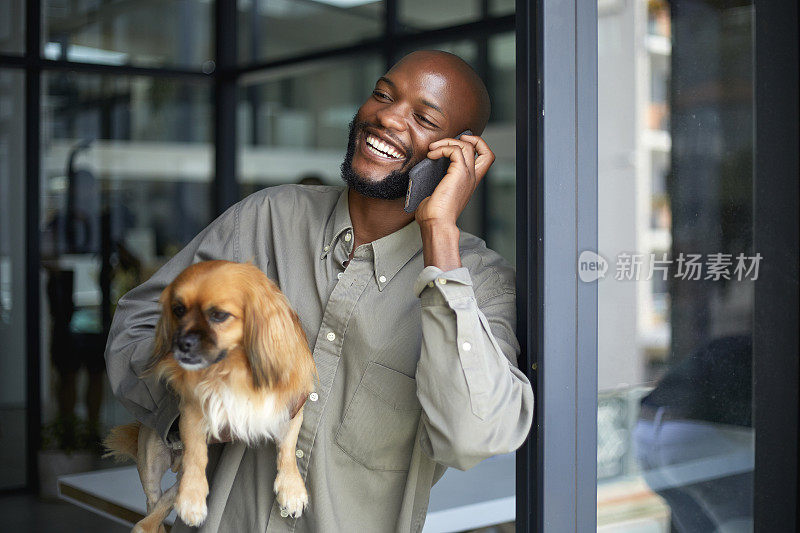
{"x":131,"y":338}
{"x":476,"y":403}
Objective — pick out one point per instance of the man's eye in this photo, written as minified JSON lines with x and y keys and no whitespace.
{"x":378,"y":94}
{"x":425,"y":120}
{"x":178,"y":310}
{"x":218,"y":316}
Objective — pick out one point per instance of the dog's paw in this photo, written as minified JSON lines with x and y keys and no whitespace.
{"x":192,"y":510}
{"x":291,"y":493}
{"x":144,"y":526}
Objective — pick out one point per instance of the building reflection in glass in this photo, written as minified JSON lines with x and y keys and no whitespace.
{"x":675,"y":438}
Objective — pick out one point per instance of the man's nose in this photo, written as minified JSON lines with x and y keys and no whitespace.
{"x":391,"y":118}
{"x":188,"y":342}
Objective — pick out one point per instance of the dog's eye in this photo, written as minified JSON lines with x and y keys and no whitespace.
{"x":218,"y":316}
{"x":179,"y":310}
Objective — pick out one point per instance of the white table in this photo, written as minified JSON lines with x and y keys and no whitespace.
{"x":479,"y":497}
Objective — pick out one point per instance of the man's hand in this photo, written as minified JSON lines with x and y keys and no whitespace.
{"x":437,"y":214}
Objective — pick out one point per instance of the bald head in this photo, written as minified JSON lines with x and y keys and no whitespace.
{"x":425,"y":97}
{"x":463,"y":85}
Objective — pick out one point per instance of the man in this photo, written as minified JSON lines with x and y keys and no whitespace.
{"x":410,"y":321}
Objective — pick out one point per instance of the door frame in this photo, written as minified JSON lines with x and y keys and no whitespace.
{"x":776,"y":372}
{"x":556,"y":221}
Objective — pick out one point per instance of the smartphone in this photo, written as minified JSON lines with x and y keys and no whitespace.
{"x":424,"y":177}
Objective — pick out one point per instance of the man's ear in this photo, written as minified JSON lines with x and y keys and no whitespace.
{"x":273,"y":336}
{"x":164,"y":330}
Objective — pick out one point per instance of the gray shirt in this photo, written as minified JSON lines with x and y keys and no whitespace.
{"x":417,"y":367}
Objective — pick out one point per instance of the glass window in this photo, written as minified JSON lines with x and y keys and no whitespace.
{"x":500,"y":134}
{"x":12,"y":29}
{"x":418,"y":15}
{"x":126,"y":170}
{"x":501,"y":7}
{"x":272,"y":29}
{"x":293,"y":125}
{"x":675,"y":308}
{"x":13,"y":411}
{"x":466,"y":50}
{"x":125,"y":33}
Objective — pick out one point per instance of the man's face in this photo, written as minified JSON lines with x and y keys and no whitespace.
{"x":413,"y":105}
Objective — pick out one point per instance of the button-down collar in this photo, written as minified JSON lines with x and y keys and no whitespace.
{"x":338,"y":224}
{"x":390,"y":253}
{"x":394,"y":251}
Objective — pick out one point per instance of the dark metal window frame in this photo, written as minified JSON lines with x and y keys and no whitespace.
{"x":224,"y":79}
{"x":776,"y":370}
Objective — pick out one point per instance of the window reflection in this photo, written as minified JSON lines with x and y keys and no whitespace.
{"x":126,"y":168}
{"x":13,"y":412}
{"x":675,"y":439}
{"x":417,"y":15}
{"x":501,"y":7}
{"x":500,"y":134}
{"x":272,"y":29}
{"x":12,"y":29}
{"x":293,"y":126}
{"x":121,"y":32}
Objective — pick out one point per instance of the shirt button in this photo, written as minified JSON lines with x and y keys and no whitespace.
{"x":430,"y":284}
{"x":299,"y":454}
{"x":331,"y":336}
{"x":382,"y":279}
{"x":339,"y":275}
{"x":284,"y":513}
{"x":313,"y":396}
{"x":467,"y":346}
{"x":347,"y":237}
{"x":442,"y":281}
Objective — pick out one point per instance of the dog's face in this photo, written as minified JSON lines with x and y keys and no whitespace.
{"x":215,"y":307}
{"x":204,"y":308}
{"x":207,"y":325}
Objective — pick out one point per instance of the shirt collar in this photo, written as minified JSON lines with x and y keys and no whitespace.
{"x":391,"y":252}
{"x":340,"y":223}
{"x":394,"y":251}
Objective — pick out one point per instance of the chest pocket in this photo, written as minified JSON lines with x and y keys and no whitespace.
{"x":380,"y":423}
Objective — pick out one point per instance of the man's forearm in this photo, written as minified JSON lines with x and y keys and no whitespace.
{"x":440,"y":245}
{"x":476,"y":403}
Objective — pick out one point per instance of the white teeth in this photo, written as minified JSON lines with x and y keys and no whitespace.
{"x":382,"y":147}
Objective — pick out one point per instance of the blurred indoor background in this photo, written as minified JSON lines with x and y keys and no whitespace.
{"x":153,"y":116}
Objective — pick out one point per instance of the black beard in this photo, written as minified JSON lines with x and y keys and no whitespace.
{"x":391,"y":187}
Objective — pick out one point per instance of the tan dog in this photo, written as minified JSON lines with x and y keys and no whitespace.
{"x":233,"y":350}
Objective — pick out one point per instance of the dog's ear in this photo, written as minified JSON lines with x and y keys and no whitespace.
{"x":273,"y":336}
{"x":164,"y":331}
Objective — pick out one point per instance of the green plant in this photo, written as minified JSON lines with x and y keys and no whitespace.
{"x":70,"y":434}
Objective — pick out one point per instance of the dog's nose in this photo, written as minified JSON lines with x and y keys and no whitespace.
{"x":188,"y":342}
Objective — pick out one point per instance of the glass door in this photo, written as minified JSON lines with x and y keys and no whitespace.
{"x":678,"y":328}
{"x":657,"y":169}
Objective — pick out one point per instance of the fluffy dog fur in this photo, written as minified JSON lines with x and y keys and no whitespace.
{"x":233,"y":350}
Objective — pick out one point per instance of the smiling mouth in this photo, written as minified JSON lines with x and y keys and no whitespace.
{"x":380,"y":148}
